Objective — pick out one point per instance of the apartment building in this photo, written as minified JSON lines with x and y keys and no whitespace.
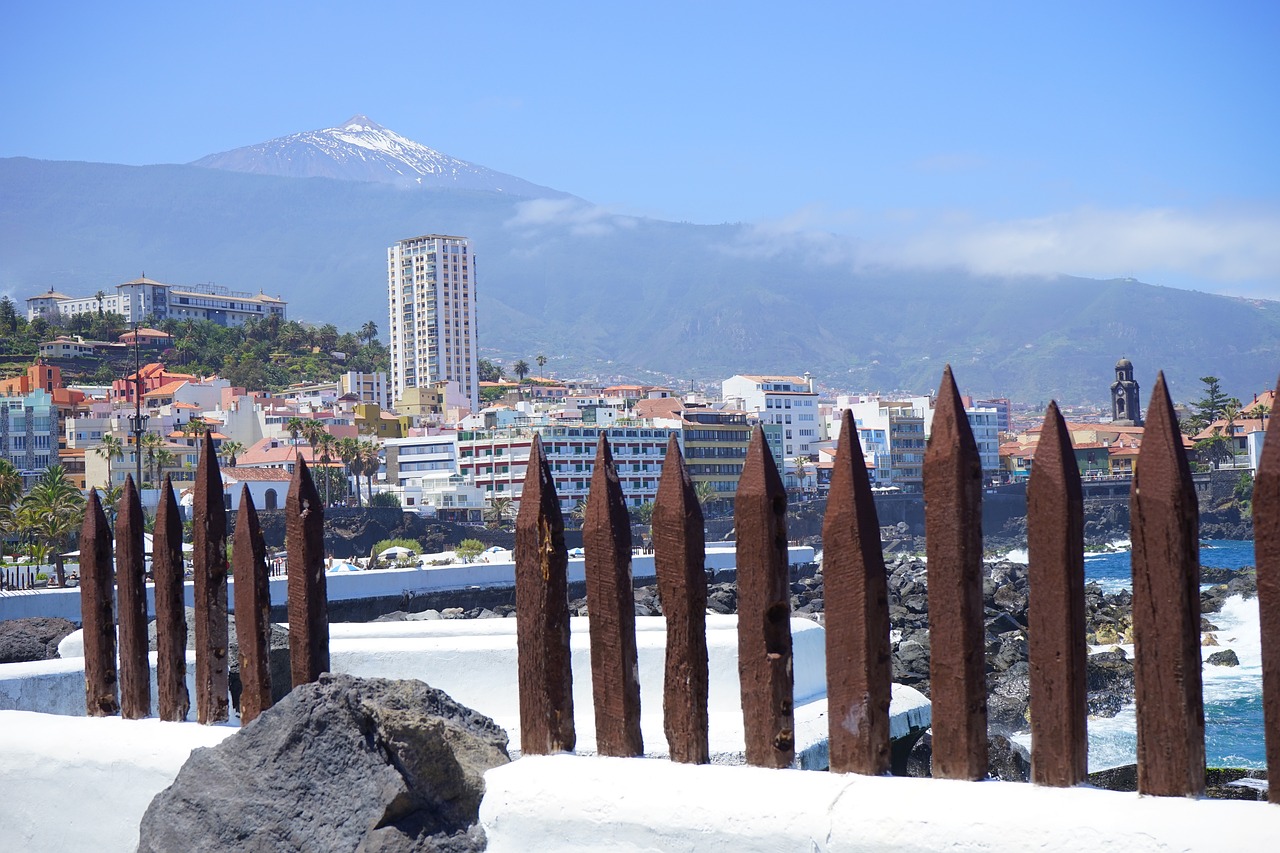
{"x":789,"y":402}
{"x":144,"y":297}
{"x":432,"y":315}
{"x":496,"y":460}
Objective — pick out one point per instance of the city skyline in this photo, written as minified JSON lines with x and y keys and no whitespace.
{"x":1090,"y":140}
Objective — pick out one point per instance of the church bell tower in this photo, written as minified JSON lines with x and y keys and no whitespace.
{"x":1126,"y":408}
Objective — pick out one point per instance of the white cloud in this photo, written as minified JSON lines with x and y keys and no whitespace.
{"x":1231,"y":251}
{"x":580,"y":218}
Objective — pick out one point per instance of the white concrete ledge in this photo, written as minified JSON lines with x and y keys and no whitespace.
{"x":83,"y":784}
{"x":567,"y":803}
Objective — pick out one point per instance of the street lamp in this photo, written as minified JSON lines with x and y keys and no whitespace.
{"x":137,"y":421}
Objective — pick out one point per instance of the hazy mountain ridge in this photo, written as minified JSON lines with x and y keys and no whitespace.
{"x":360,"y":149}
{"x":587,"y":288}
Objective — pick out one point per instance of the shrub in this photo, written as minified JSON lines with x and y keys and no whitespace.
{"x":385,"y":499}
{"x":468,"y":549}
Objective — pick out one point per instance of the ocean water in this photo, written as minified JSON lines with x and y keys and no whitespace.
{"x":1232,"y":695}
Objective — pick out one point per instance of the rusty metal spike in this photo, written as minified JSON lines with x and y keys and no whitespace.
{"x":1056,"y":635}
{"x":764,"y":609}
{"x":1165,"y":527}
{"x":615,"y":679}
{"x":542,"y":615}
{"x":131,"y":598}
{"x":171,"y":619}
{"x":308,"y":592}
{"x":679,"y":555}
{"x":1266,"y":545}
{"x":209,"y":541}
{"x":855,"y":592}
{"x":97,"y":612}
{"x":953,"y":543}
{"x":253,"y":610}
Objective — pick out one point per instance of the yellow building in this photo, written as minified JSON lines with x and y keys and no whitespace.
{"x":371,"y":420}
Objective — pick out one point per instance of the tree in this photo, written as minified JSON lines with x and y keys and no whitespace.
{"x":489,"y":372}
{"x":311,"y":431}
{"x":499,"y":512}
{"x":51,"y":512}
{"x":152,"y":442}
{"x":802,"y":471}
{"x":111,"y":447}
{"x":468,"y":549}
{"x":1208,"y":408}
{"x":385,"y":499}
{"x":369,"y":331}
{"x":295,"y":427}
{"x":520,"y":369}
{"x":706,"y":494}
{"x":229,"y":451}
{"x":349,"y":453}
{"x":542,"y":362}
{"x":371,"y":461}
{"x":327,"y":443}
{"x":579,"y":512}
{"x":10,"y":483}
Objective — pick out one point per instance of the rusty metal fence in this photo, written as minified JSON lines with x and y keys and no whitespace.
{"x":127,"y":691}
{"x":1166,"y":609}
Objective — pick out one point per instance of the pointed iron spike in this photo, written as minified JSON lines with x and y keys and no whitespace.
{"x":764,"y":610}
{"x":171,"y":619}
{"x":1266,"y":544}
{"x":308,"y":591}
{"x":1056,"y":635}
{"x":855,"y":592}
{"x":97,"y":612}
{"x":953,"y":541}
{"x":1165,"y":520}
{"x":253,"y":610}
{"x":131,"y":597}
{"x":542,"y":615}
{"x":679,"y":555}
{"x":615,"y":683}
{"x":209,"y":538}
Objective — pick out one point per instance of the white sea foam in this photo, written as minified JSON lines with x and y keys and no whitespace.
{"x":1017,"y":555}
{"x":1113,"y":741}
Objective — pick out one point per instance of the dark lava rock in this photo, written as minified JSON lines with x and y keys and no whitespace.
{"x":1109,"y":680}
{"x":343,"y":764}
{"x":1008,"y":761}
{"x":1226,"y":657}
{"x":35,"y":638}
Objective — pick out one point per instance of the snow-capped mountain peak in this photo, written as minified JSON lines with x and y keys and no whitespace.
{"x":360,"y":149}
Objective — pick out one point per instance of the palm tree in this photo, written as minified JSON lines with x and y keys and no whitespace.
{"x":311,"y":431}
{"x":706,"y":494}
{"x":109,"y":448}
{"x":327,"y":444}
{"x":542,"y":361}
{"x":100,"y":295}
{"x":349,"y":453}
{"x":369,"y":331}
{"x":372,"y":460}
{"x":295,"y":427}
{"x":499,"y":512}
{"x":152,"y":442}
{"x":802,"y":468}
{"x":165,"y":458}
{"x":111,"y":502}
{"x":520,"y":369}
{"x":51,"y":512}
{"x":229,"y":451}
{"x":579,"y":512}
{"x":10,"y":483}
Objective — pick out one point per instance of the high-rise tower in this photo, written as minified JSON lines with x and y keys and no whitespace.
{"x":431,"y":290}
{"x":1126,"y":407}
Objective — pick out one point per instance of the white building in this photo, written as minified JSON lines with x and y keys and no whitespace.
{"x":142,"y":297}
{"x":432,"y":315}
{"x":787,"y":401}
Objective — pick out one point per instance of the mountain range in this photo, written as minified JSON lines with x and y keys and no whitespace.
{"x":309,"y":217}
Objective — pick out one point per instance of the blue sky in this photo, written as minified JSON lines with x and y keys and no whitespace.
{"x":1101,"y":139}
